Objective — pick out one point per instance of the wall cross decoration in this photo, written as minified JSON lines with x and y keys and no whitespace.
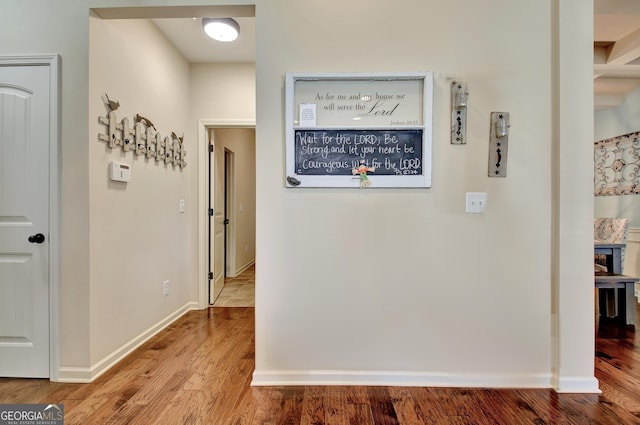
{"x":143,"y":138}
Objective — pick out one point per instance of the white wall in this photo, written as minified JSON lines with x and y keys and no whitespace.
{"x":609,"y":123}
{"x":401,"y":286}
{"x":462,"y":299}
{"x":139,"y":238}
{"x":571,"y":254}
{"x":223,"y":91}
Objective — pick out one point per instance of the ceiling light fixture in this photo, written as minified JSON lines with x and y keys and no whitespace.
{"x":221,"y":29}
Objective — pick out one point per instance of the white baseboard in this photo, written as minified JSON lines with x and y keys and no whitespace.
{"x":633,"y":250}
{"x":90,"y":374}
{"x":245,"y":267}
{"x":77,"y":375}
{"x":577,"y":384}
{"x":634,"y":234}
{"x":400,"y":379}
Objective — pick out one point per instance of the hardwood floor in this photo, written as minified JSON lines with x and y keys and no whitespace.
{"x":198,"y":371}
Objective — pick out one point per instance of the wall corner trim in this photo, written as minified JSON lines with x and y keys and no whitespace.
{"x":577,"y":384}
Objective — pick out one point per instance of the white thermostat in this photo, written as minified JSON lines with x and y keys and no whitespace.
{"x":119,"y":172}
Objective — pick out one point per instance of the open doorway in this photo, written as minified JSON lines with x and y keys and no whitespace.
{"x":229,"y":239}
{"x":231,"y":216}
{"x":221,"y":84}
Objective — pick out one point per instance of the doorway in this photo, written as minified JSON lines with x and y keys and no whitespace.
{"x":231,"y":208}
{"x":229,"y":239}
{"x":180,"y":20}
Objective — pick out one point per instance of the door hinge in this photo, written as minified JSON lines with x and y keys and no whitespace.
{"x":210,"y":148}
{"x":210,"y":275}
{"x":210,"y":212}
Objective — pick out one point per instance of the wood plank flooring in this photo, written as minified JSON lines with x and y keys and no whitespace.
{"x":198,"y":371}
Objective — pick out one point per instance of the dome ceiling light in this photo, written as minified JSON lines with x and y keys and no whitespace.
{"x":221,"y":29}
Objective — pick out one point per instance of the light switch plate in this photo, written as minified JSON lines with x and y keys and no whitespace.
{"x":476,"y":202}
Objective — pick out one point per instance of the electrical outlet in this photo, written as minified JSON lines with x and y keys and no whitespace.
{"x":476,"y":202}
{"x":165,"y":288}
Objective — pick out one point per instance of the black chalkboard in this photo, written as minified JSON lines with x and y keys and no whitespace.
{"x":336,"y":152}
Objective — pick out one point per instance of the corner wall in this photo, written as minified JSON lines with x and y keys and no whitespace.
{"x":26,"y":28}
{"x":138,"y":237}
{"x":571,"y":253}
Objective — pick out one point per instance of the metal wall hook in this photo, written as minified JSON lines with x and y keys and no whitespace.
{"x":459,"y":97}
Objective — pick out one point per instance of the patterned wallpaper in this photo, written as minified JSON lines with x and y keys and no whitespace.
{"x":617,"y":165}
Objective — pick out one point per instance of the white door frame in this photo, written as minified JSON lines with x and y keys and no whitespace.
{"x":230,"y":212}
{"x":203,"y":189}
{"x":53,"y":62}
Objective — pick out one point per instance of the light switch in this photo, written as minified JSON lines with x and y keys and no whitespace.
{"x":181,"y":206}
{"x":476,"y":202}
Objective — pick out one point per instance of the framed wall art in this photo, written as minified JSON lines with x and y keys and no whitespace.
{"x":358,"y":130}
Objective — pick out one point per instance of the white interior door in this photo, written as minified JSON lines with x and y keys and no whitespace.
{"x":217,"y":234}
{"x":24,"y":220}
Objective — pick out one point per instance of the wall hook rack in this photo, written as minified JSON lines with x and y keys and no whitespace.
{"x":143,"y":139}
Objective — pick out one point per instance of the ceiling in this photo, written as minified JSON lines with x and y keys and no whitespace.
{"x":616,"y":53}
{"x":616,"y":47}
{"x":189,"y":38}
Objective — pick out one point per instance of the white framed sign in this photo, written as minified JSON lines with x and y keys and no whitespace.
{"x":359,"y":130}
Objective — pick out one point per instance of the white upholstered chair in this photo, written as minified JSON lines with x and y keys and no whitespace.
{"x":609,"y":230}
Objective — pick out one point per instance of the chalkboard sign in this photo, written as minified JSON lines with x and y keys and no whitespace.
{"x":338,"y":152}
{"x":337,"y":123}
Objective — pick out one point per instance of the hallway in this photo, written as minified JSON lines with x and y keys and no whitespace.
{"x":238,"y":291}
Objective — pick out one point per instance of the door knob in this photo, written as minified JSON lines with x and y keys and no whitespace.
{"x":37,"y":238}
